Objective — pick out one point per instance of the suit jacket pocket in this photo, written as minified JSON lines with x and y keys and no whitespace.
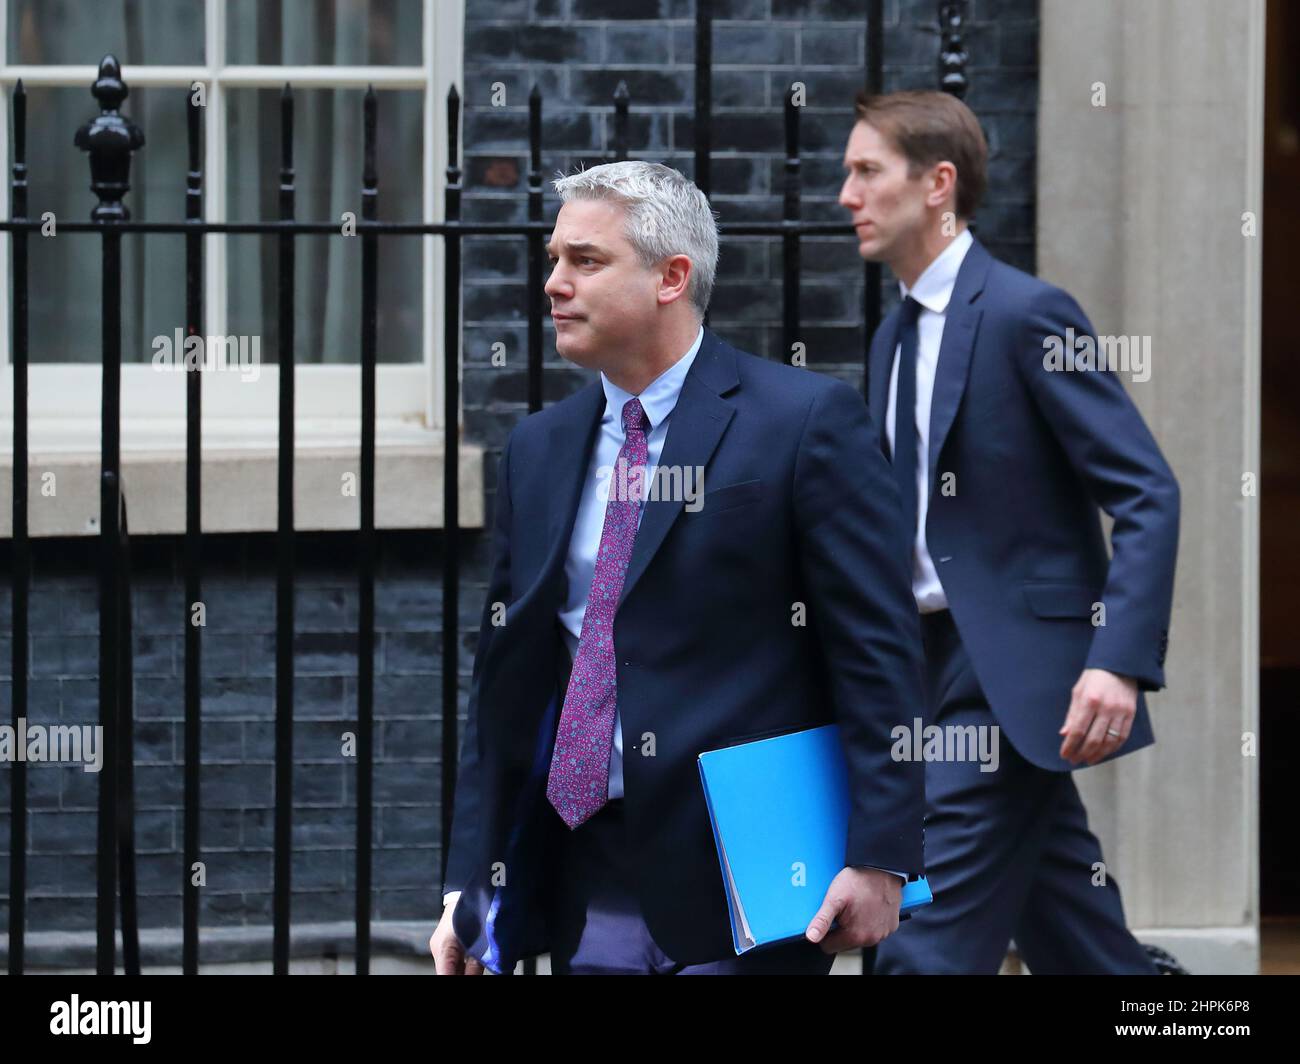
{"x":728,"y":497}
{"x":1054,"y":598}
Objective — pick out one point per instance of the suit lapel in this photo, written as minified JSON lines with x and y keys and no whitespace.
{"x":568,"y":456}
{"x":694,"y":429}
{"x":961,"y":322}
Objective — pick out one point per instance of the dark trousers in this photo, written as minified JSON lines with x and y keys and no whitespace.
{"x":595,"y":918}
{"x":1008,"y":854}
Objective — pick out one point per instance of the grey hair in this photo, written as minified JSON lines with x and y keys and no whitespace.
{"x":666,"y":215}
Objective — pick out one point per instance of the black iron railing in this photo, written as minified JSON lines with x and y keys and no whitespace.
{"x":110,"y":139}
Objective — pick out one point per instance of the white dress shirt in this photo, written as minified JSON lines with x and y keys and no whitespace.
{"x":933,"y":290}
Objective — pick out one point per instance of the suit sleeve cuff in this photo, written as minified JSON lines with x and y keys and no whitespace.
{"x":901,"y":875}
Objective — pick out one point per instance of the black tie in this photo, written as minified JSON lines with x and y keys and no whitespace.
{"x":905,"y":414}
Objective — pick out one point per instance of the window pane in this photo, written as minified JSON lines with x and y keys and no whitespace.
{"x":83,"y":31}
{"x":323,"y":32}
{"x":64,"y":271}
{"x":327,"y":162}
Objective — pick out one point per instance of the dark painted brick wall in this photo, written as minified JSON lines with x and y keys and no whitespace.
{"x":577,"y":51}
{"x":238,"y":736}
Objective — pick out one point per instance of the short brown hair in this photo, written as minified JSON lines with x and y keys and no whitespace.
{"x":928,"y":128}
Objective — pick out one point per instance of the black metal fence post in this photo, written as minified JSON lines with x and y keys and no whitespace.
{"x":450,"y":473}
{"x":872,"y":274}
{"x":366,"y":541}
{"x":535,"y":251}
{"x":190,"y":842}
{"x":790,"y":206}
{"x":284,"y":558}
{"x":704,"y":95}
{"x":621,"y":100}
{"x":22,"y":558}
{"x":109,"y":139}
{"x":952,"y":48}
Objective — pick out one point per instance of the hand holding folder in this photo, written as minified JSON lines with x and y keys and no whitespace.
{"x":779,"y":808}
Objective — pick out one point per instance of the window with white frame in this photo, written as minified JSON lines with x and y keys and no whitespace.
{"x":242,"y":52}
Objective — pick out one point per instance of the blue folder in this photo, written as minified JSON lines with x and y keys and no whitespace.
{"x":780,"y":813}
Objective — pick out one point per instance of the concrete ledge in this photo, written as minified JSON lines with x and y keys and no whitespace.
{"x":314,"y":947}
{"x":1208,"y":950}
{"x":239,"y":487}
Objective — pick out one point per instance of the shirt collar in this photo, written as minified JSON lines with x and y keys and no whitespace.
{"x":659,"y":396}
{"x":933,"y":289}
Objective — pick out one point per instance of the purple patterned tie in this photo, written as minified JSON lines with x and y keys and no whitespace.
{"x":579,"y":781}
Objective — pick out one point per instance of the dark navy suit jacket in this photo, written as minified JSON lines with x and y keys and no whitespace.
{"x":799,"y":507}
{"x":1018,"y":541}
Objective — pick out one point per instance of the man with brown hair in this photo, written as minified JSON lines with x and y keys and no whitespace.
{"x":1004,"y":445}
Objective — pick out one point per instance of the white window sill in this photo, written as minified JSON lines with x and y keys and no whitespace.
{"x":238,"y":476}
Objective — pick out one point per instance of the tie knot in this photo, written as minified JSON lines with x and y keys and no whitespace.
{"x":911,"y":310}
{"x":633,"y":416}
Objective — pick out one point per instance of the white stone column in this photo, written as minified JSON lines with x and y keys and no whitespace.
{"x":1140,"y":217}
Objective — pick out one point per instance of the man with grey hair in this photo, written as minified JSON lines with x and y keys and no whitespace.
{"x":628,"y":628}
